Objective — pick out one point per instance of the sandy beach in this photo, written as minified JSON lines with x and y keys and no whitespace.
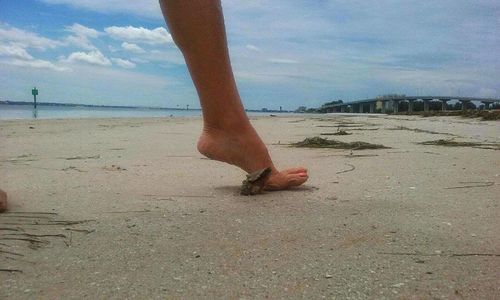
{"x":128,"y":209}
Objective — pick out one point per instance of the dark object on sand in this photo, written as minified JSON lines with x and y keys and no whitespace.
{"x":3,"y":201}
{"x":490,"y":115}
{"x":452,"y":143}
{"x":485,"y":115}
{"x":471,"y":184}
{"x":255,"y":182}
{"x":318,"y":142}
{"x":340,"y":132}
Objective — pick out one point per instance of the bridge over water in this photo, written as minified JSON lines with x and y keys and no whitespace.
{"x":370,"y":105}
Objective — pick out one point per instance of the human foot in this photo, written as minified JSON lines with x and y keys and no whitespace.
{"x":244,"y":148}
{"x":284,"y":179}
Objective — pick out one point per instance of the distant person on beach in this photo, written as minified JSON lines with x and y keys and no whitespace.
{"x":197,"y":28}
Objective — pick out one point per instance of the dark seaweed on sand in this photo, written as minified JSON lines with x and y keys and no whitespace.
{"x":318,"y":142}
{"x":452,"y":143}
{"x":485,"y":115}
{"x":340,"y":132}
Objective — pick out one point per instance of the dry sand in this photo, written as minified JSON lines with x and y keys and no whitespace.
{"x":160,"y":221}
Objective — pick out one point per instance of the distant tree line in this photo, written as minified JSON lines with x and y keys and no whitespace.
{"x":402,"y":105}
{"x":390,"y":96}
{"x":304,"y":109}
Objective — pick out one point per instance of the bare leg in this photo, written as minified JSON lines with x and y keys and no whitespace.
{"x":197,"y":27}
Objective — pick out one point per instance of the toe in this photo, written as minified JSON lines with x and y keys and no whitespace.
{"x":297,"y":179}
{"x":295,"y":171}
{"x":282,"y":180}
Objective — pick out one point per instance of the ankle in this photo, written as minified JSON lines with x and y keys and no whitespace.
{"x":229,"y":126}
{"x":238,"y":146}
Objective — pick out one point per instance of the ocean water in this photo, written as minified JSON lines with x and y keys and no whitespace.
{"x":10,"y":112}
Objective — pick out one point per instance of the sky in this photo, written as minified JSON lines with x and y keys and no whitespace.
{"x":287,"y":53}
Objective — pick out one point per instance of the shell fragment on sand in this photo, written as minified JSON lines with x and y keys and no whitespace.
{"x":255,"y":181}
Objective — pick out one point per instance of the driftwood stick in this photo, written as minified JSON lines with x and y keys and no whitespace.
{"x":11,"y":270}
{"x":480,"y":184}
{"x":87,"y":231}
{"x":349,"y":170}
{"x":23,"y":239}
{"x":81,"y":157}
{"x":51,"y":222}
{"x":410,"y":254}
{"x":36,"y":235}
{"x":26,"y":217}
{"x":59,"y":222}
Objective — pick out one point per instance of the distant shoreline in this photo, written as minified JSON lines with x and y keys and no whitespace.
{"x":56,"y":104}
{"x":88,"y":105}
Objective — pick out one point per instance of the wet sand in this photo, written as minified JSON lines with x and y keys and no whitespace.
{"x":126,"y":208}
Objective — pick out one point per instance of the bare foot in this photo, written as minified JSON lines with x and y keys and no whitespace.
{"x":3,"y":201}
{"x":244,"y":148}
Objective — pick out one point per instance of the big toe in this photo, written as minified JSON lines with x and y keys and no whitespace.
{"x":297,"y":179}
{"x":295,"y":171}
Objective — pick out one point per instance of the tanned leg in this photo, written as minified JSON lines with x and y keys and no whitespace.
{"x":197,"y":27}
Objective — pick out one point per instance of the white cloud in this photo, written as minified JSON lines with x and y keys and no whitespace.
{"x":93,"y":57}
{"x":37,"y":64}
{"x":15,"y":51}
{"x":79,"y":29}
{"x":127,"y":64}
{"x":132,"y":47}
{"x":81,"y":35}
{"x":17,"y":55}
{"x":80,"y":42}
{"x":155,"y":36}
{"x":26,"y":39}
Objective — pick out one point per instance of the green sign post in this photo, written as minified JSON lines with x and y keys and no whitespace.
{"x":34,"y":92}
